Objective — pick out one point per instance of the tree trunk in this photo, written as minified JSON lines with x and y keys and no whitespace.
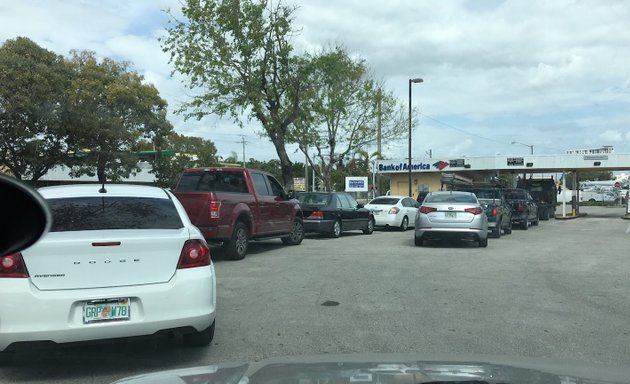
{"x":100,"y":169}
{"x":285,"y":163}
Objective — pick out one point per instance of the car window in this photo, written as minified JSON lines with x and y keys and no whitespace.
{"x":97,"y":213}
{"x":385,"y":201}
{"x":451,"y":198}
{"x":353,"y":203}
{"x":407,"y":202}
{"x":215,"y":181}
{"x":260,"y":184}
{"x":345,"y":202}
{"x":276,"y":188}
{"x":313,"y":198}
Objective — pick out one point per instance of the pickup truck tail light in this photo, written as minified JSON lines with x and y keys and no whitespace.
{"x":475,"y":210}
{"x":195,"y":253}
{"x":393,"y":210}
{"x":425,"y":210}
{"x":494,"y":212}
{"x":316,"y":215}
{"x":13,"y":266}
{"x":215,"y":210}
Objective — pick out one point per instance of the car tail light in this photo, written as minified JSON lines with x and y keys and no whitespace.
{"x":393,"y":210}
{"x":474,"y":211}
{"x":13,"y":266}
{"x":424,"y":209}
{"x":215,"y":210}
{"x":494,"y":212}
{"x":194,"y":254}
{"x":316,"y":215}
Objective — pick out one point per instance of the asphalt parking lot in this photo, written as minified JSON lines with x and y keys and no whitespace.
{"x":559,"y":290}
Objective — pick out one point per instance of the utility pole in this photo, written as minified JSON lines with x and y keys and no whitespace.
{"x":379,"y":125}
{"x":243,"y":142}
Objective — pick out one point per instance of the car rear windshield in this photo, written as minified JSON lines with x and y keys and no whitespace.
{"x":97,"y":213}
{"x":385,"y":201}
{"x":450,"y":198}
{"x":516,"y":195}
{"x":313,"y":198}
{"x":486,"y":193}
{"x":215,"y":181}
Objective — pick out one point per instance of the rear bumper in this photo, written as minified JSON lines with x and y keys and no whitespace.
{"x":319,"y":226}
{"x":451,"y":233}
{"x":218,"y":233}
{"x":388,"y":221}
{"x":32,"y":315}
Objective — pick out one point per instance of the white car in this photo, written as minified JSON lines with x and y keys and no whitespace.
{"x":394,"y":211}
{"x":118,"y":262}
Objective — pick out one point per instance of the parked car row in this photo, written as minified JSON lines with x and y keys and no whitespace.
{"x":120,"y":260}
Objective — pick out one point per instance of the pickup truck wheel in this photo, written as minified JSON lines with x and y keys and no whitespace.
{"x":483,"y":243}
{"x":336,"y":229}
{"x":525,"y":225}
{"x":297,"y":233}
{"x":370,"y":227}
{"x":535,"y":222}
{"x":405,"y":224}
{"x":496,"y":232}
{"x":546,"y":214}
{"x":508,"y":230}
{"x":237,"y":246}
{"x":200,"y":339}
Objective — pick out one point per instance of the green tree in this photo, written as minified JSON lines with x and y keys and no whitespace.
{"x":32,"y":85}
{"x":341,"y":112}
{"x":238,"y":53}
{"x":110,"y":111}
{"x":190,"y":151}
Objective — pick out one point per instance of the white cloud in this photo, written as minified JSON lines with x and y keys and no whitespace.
{"x":553,"y":74}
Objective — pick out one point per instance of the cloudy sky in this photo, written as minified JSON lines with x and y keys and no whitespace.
{"x":552,"y":74}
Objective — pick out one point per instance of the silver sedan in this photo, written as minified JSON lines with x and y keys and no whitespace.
{"x":451,"y":215}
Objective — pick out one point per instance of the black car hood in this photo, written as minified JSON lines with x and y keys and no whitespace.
{"x":390,"y":368}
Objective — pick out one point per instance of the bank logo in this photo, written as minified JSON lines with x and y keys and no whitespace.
{"x":440,"y":165}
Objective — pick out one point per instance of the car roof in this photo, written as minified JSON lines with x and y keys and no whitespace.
{"x":453,"y":192}
{"x":92,"y":190}
{"x":390,"y":196}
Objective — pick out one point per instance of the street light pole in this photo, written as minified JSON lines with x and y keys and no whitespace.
{"x":416,"y":80}
{"x":531,"y":147}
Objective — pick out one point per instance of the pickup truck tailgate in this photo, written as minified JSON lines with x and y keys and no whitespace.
{"x":197,"y":206}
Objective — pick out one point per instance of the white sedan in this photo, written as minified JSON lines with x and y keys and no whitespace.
{"x":118,"y":262}
{"x":393,"y":211}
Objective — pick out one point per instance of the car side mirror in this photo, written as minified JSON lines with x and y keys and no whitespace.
{"x":290,"y":194}
{"x":359,"y":205}
{"x":27,"y":212}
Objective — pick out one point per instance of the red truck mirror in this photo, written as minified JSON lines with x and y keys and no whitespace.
{"x":26,"y":213}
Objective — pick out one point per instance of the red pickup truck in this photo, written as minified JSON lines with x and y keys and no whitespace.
{"x":235,"y":205}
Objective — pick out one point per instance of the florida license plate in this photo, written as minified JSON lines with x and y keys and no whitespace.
{"x":451,"y":215}
{"x":106,"y":310}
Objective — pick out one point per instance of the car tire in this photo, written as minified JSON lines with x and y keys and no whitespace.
{"x":200,"y":339}
{"x":525,"y":225}
{"x":535,"y":222}
{"x":370,"y":227}
{"x":508,"y":230}
{"x":236,"y":248}
{"x":546,"y":214}
{"x":418,"y":241}
{"x":297,"y":233}
{"x":483,"y":243}
{"x":496,"y":232}
{"x":336,"y":229}
{"x":404,"y":225}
